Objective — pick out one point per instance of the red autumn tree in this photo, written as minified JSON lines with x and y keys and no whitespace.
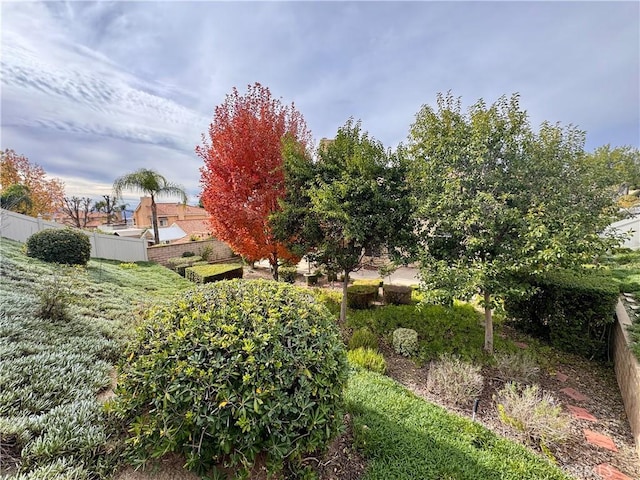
{"x":45,"y":194}
{"x":242,"y":177}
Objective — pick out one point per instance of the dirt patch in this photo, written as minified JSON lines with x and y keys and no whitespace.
{"x":575,"y":456}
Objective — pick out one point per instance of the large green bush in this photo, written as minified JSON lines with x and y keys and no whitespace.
{"x":232,"y":369}
{"x":573,"y":310}
{"x":60,"y":245}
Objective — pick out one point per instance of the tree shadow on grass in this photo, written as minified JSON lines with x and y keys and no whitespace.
{"x":404,"y":437}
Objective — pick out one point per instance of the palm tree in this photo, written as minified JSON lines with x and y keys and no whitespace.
{"x":150,"y":183}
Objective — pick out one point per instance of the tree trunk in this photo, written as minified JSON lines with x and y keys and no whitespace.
{"x":154,"y":220}
{"x":488,"y":323}
{"x":343,"y":305}
{"x":274,"y":266}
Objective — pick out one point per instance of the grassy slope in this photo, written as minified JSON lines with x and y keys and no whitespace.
{"x":51,"y":371}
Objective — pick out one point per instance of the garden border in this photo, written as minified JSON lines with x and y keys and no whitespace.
{"x":627,"y":371}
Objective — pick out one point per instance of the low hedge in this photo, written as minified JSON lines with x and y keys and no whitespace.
{"x":213,"y":272}
{"x":180,"y":264}
{"x":573,"y":310}
{"x":397,"y":294}
{"x":361,"y":296}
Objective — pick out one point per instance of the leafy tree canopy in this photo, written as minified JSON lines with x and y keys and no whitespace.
{"x":352,"y":200}
{"x":494,"y":198}
{"x":242,"y":176}
{"x":45,"y":194}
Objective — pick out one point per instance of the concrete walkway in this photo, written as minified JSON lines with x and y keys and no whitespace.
{"x":402,"y":276}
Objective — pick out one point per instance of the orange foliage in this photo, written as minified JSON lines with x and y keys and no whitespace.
{"x":242,"y":177}
{"x":46,"y":194}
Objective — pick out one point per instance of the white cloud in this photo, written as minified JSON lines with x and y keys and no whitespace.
{"x":93,"y":90}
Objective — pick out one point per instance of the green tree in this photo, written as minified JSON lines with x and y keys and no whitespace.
{"x":495,"y":199}
{"x":617,"y":169}
{"x":352,"y":200}
{"x":149,"y":183}
{"x":16,"y":198}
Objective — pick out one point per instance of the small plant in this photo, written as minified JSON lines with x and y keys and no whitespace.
{"x":128,"y":265}
{"x":518,"y":367}
{"x":52,"y":302}
{"x":60,"y":245}
{"x":367,"y":358}
{"x":205,"y":252}
{"x":534,"y":414}
{"x":287,"y":274}
{"x":363,"y":337}
{"x":405,"y":341}
{"x":188,"y":254}
{"x":456,"y":381}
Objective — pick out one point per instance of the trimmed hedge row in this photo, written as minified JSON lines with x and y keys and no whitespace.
{"x":213,"y":272}
{"x":361,"y":296}
{"x":573,"y":310}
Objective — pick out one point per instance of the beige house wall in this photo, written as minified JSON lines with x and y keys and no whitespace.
{"x":220,"y":251}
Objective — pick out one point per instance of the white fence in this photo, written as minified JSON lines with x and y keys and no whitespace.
{"x":629,"y":225}
{"x":20,"y":227}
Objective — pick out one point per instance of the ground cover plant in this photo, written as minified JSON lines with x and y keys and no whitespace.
{"x":624,"y":266}
{"x":53,"y":366}
{"x":404,"y":437}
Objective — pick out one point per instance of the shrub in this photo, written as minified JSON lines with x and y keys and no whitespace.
{"x":188,"y":254}
{"x":534,"y":414}
{"x":456,"y":381}
{"x":376,"y":282}
{"x":213,"y":273}
{"x":574,"y":311}
{"x":361,"y":296}
{"x":287,"y":274}
{"x":230,"y":370}
{"x":405,"y":341}
{"x":205,"y":252}
{"x":397,"y":294}
{"x":180,"y":264}
{"x":367,"y":358}
{"x":363,"y":337}
{"x":518,"y":367}
{"x":52,"y":301}
{"x":60,"y":245}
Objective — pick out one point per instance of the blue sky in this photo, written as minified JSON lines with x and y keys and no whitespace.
{"x":94,"y":90}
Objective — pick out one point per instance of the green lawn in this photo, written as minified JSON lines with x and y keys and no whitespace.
{"x":404,"y":437}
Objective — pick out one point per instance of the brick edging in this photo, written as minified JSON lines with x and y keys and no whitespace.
{"x":627,"y":370}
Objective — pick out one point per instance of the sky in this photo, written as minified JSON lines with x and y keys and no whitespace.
{"x":91,"y":91}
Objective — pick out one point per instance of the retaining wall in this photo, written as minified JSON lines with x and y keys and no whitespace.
{"x":220,"y":251}
{"x":627,"y":372}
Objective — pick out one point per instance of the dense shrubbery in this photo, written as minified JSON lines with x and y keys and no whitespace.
{"x":213,"y":273}
{"x":230,"y":370}
{"x":572,"y":310}
{"x":287,"y":274}
{"x":360,"y":296}
{"x":60,"y":245}
{"x":397,"y":294}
